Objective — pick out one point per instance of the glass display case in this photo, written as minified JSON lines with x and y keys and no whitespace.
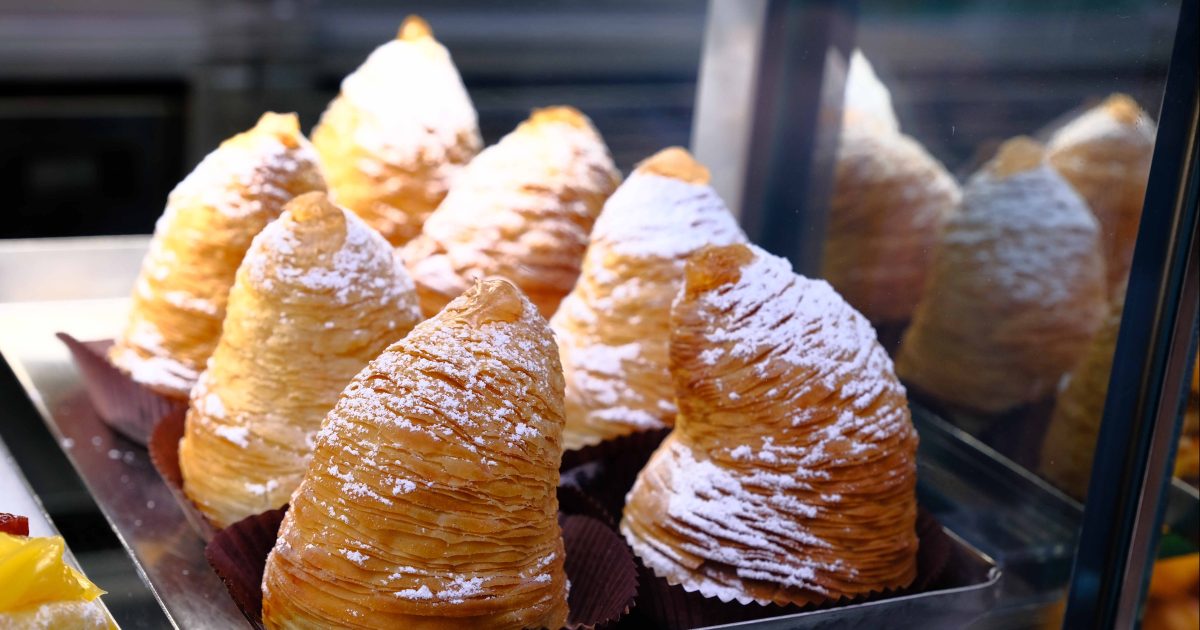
{"x":1002,"y":197}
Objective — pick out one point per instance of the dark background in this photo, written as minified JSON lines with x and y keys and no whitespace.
{"x":105,"y":105}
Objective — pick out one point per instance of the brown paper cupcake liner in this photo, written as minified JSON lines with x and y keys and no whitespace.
{"x":127,"y":406}
{"x":164,"y":454}
{"x":606,"y":471}
{"x":664,"y":605}
{"x":599,"y":566}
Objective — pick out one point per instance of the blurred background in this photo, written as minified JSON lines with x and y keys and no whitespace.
{"x":104,"y":106}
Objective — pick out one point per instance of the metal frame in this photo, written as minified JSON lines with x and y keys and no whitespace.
{"x":759,"y":120}
{"x":1140,"y":424}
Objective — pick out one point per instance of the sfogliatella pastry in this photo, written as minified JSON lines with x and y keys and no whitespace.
{"x":613,"y":328}
{"x":430,"y":499}
{"x":42,"y":592}
{"x":1016,"y":291}
{"x":522,"y":210}
{"x":890,"y":200}
{"x":318,"y":295}
{"x":1070,"y":442}
{"x":790,"y":476}
{"x":210,"y":219}
{"x":1105,"y":155}
{"x":399,"y":132}
{"x":1066,"y":458}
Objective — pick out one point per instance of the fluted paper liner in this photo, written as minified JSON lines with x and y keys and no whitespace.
{"x":607,"y":470}
{"x":128,"y":407}
{"x":164,"y":454}
{"x":665,"y":605}
{"x":599,"y":565}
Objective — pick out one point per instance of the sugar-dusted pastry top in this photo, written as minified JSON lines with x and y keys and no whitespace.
{"x":521,"y":210}
{"x":790,"y":475}
{"x":211,"y":216}
{"x":1105,"y":154}
{"x":430,"y":500}
{"x":410,"y":95}
{"x":399,"y":132}
{"x":1016,"y":291}
{"x":867,"y":100}
{"x":1038,"y":230}
{"x":613,"y":328}
{"x":1118,"y":118}
{"x":318,"y":295}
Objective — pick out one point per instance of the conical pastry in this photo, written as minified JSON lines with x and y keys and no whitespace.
{"x":889,"y":202}
{"x":613,"y":328}
{"x":1105,"y":155}
{"x":318,"y":295}
{"x":1066,"y":458}
{"x":1015,"y":293}
{"x":430,"y":499}
{"x":790,"y":476}
{"x":211,"y":217}
{"x":1070,"y":443}
{"x":399,"y":132}
{"x":522,"y":210}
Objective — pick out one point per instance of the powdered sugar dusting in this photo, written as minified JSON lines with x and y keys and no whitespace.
{"x":866,"y":94}
{"x":1099,"y":125}
{"x":755,"y":474}
{"x":1027,"y":231}
{"x":363,"y":268}
{"x":240,"y":177}
{"x":412,"y":103}
{"x":652,"y":215}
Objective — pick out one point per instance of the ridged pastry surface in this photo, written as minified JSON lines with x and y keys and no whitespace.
{"x":1016,"y":291}
{"x":211,"y":217}
{"x":890,"y":200}
{"x":613,"y":329}
{"x":318,"y":295}
{"x":522,"y":210}
{"x":1105,"y":154}
{"x":790,"y":475}
{"x":400,"y":131}
{"x":1070,"y":442}
{"x":430,"y":499}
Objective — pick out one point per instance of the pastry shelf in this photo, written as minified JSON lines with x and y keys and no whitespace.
{"x":992,"y":506}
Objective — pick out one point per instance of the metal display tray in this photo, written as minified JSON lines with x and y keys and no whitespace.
{"x":140,"y":508}
{"x":997,"y":508}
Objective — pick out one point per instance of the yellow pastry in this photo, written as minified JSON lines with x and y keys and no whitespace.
{"x":210,"y":219}
{"x":1070,"y":442}
{"x":522,"y":210}
{"x":790,"y":476}
{"x":1016,"y":291}
{"x":399,"y":132}
{"x":430,"y":499}
{"x":890,"y":199}
{"x":1105,"y":155}
{"x":318,"y":295}
{"x":41,"y":591}
{"x":614,"y":327}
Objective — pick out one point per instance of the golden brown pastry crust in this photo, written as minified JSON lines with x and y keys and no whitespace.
{"x":1105,"y":154}
{"x":430,"y":500}
{"x":399,"y":132}
{"x":522,"y":210}
{"x":1016,"y":291}
{"x":613,"y":328}
{"x":1070,"y":442}
{"x":318,"y":295}
{"x":890,"y":200}
{"x":210,"y":219}
{"x":790,"y":476}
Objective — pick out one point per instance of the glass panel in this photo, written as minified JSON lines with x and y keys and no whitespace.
{"x":988,"y":185}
